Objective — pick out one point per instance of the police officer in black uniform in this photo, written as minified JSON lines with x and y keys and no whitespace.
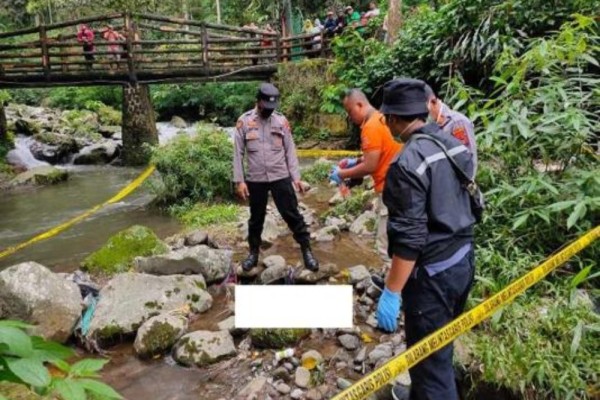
{"x":430,"y":231}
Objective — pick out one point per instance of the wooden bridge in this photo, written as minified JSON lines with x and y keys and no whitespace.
{"x":153,"y":49}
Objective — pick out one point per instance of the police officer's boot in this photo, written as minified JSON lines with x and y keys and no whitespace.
{"x":251,"y":261}
{"x":310,"y":262}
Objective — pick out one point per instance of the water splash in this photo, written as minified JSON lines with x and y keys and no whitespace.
{"x":21,"y":155}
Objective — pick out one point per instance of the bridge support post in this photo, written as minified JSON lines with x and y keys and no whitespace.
{"x":3,"y":127}
{"x":139,"y":124}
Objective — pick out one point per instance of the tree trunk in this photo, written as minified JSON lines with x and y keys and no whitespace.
{"x":218,"y":4}
{"x":139,"y":125}
{"x":3,"y":128}
{"x":287,"y":18}
{"x":394,"y":20}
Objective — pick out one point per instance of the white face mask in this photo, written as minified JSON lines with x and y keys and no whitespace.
{"x":438,"y":118}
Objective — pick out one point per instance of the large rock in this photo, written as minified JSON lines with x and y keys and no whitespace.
{"x":273,"y":227}
{"x":46,"y":175}
{"x":109,"y":131}
{"x":358,"y":273}
{"x":325,"y":271}
{"x":129,"y":299}
{"x":254,"y":390}
{"x":178,"y":122}
{"x":159,"y":334}
{"x":326,"y":234}
{"x":119,"y":252}
{"x":99,"y":153}
{"x":364,"y":224}
{"x":204,"y":347}
{"x":211,"y":263}
{"x":276,"y":269}
{"x":30,"y":292}
{"x":302,"y":378}
{"x":53,"y":147}
{"x":25,"y":126}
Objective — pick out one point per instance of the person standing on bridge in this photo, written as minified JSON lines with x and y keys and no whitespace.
{"x":266,"y":137}
{"x":378,"y":148}
{"x":85,"y":36}
{"x":430,"y":232}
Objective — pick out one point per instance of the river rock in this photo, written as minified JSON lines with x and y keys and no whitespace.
{"x":109,"y":131}
{"x":178,"y":122}
{"x":349,"y":342}
{"x":325,"y":271}
{"x":340,"y":223}
{"x":283,"y":388}
{"x":382,"y":351}
{"x":296,"y":394}
{"x":337,"y":198}
{"x":99,"y":153}
{"x":229,"y":325}
{"x":364,"y":224}
{"x":53,"y":147}
{"x":358,"y":274}
{"x":212,"y":264}
{"x":129,"y":299}
{"x":204,"y":347}
{"x":314,"y":394}
{"x":159,"y":334}
{"x":326,"y":234}
{"x":276,"y":269}
{"x":46,"y":175}
{"x":302,"y":377}
{"x":27,"y":127}
{"x":196,"y":237}
{"x":32,"y":293}
{"x":255,"y":390}
{"x":119,"y":252}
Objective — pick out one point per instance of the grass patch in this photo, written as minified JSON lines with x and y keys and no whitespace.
{"x":353,"y":206}
{"x":205,"y":214}
{"x":318,"y":172}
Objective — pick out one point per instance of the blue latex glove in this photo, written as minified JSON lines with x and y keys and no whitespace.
{"x":334,"y":176}
{"x":348,"y":163}
{"x":388,"y":309}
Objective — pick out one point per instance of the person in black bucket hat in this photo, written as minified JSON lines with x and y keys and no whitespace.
{"x":430,"y":231}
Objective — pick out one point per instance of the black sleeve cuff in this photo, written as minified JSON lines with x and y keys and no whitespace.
{"x":402,"y":251}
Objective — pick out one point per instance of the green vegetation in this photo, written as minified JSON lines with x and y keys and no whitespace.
{"x":120,"y":250}
{"x":26,"y":361}
{"x":222,"y":103}
{"x":300,"y":84}
{"x":277,"y":338}
{"x":196,"y":169}
{"x":352,"y":206}
{"x":205,"y":214}
{"x":318,"y":172}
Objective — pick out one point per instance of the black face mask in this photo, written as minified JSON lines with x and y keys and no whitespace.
{"x":265,"y":113}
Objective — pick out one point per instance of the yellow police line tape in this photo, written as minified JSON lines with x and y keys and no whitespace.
{"x":314,"y":153}
{"x":462,"y":324}
{"x":56,"y":230}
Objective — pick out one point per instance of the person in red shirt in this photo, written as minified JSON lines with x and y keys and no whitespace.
{"x":85,"y":36}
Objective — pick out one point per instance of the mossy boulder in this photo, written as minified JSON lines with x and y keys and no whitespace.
{"x":277,"y":338}
{"x":45,"y":175}
{"x":120,"y":250}
{"x":128,"y":300}
{"x":203,"y":348}
{"x":159,"y":334}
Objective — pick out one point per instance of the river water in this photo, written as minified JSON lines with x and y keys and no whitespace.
{"x":27,"y":212}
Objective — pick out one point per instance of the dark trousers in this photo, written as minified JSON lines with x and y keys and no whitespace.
{"x":431,"y":302}
{"x":287,"y":205}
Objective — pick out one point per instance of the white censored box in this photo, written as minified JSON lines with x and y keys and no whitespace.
{"x":293,"y":306}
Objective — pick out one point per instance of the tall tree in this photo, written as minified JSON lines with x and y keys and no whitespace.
{"x":394,"y":19}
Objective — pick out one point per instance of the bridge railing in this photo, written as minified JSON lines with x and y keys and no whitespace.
{"x":153,"y":49}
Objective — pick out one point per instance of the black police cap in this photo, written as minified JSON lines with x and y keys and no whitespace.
{"x":404,"y":97}
{"x":269,"y":94}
